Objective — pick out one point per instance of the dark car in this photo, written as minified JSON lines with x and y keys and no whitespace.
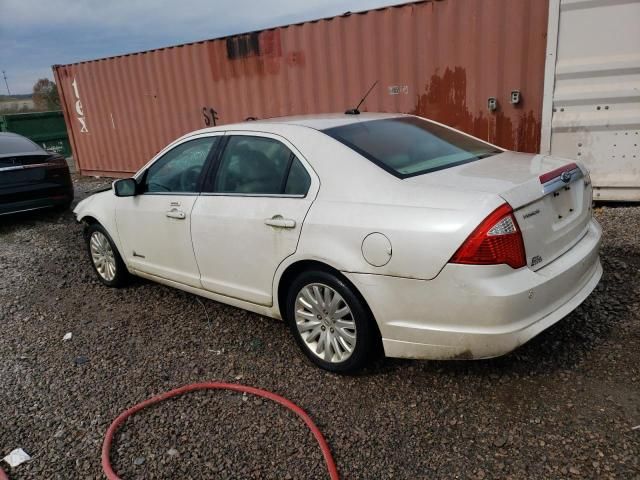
{"x":30,"y":177}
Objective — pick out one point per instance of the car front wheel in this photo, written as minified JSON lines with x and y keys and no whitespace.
{"x":104,"y":257}
{"x":330,"y":322}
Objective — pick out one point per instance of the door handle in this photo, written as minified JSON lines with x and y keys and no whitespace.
{"x":278,"y":222}
{"x":175,"y":213}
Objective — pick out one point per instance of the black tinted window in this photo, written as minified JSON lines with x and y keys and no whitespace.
{"x":258,"y":165}
{"x":178,"y":170}
{"x":15,"y":144}
{"x":299,"y":180}
{"x":408,"y":146}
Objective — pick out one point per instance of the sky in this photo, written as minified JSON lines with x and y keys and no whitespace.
{"x":35,"y":34}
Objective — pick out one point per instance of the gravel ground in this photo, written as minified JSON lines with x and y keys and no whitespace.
{"x":562,"y":406}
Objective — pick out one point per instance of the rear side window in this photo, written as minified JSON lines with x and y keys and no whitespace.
{"x":299,"y":180}
{"x":409,"y":146}
{"x":260,"y":166}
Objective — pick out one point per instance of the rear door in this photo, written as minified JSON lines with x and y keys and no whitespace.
{"x":249,"y":217}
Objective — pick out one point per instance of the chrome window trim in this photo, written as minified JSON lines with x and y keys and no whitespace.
{"x":234,"y":194}
{"x":175,"y":194}
{"x":221,"y":194}
{"x":557,"y":183}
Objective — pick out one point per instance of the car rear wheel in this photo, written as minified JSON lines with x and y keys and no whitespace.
{"x":330,"y":322}
{"x":104,"y":257}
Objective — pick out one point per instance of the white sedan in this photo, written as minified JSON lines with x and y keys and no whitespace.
{"x":366,"y":233}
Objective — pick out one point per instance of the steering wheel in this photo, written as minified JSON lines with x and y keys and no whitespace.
{"x":189,"y":178}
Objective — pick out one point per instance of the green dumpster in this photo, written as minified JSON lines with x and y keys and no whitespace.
{"x":47,"y":129}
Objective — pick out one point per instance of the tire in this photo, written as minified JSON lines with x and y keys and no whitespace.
{"x":63,"y":207}
{"x":313,"y":324}
{"x":112,"y":272}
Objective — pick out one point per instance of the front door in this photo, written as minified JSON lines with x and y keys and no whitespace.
{"x":155,"y":225}
{"x":250,"y":216}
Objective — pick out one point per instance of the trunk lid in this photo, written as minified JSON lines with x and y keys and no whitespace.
{"x":552,"y":214}
{"x":30,"y":176}
{"x":20,"y":169}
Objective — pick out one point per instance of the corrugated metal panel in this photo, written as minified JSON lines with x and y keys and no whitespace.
{"x":596,"y":101}
{"x":439,"y":59}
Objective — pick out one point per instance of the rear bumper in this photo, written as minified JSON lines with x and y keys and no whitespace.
{"x":44,"y":188}
{"x":39,"y":200}
{"x":470,"y":312}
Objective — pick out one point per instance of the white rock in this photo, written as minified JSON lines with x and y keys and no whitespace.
{"x":67,"y":336}
{"x":16,"y":457}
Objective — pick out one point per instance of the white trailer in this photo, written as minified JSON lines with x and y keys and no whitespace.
{"x":591,"y":104}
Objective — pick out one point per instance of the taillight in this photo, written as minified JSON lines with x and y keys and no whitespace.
{"x":57,"y":159}
{"x":545,"y":177}
{"x":496,"y":240}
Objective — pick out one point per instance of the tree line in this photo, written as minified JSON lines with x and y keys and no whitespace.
{"x":43,"y":98}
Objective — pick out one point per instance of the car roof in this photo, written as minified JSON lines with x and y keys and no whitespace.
{"x":328,"y":120}
{"x":320,"y":121}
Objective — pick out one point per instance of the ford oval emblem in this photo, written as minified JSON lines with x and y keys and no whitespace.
{"x":566,"y":176}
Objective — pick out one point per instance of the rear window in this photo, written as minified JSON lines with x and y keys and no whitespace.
{"x":409,"y":146}
{"x":14,"y":144}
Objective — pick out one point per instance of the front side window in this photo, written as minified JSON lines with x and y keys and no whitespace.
{"x":179,"y":169}
{"x":409,"y":146}
{"x":260,"y":166}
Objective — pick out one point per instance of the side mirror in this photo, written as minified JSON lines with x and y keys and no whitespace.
{"x":125,"y":187}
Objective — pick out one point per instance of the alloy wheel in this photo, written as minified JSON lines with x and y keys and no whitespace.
{"x":102,"y":256}
{"x":325,"y":323}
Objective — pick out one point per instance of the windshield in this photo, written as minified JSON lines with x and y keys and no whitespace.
{"x":409,"y":146}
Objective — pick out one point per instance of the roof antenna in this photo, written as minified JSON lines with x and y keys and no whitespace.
{"x":355,"y":111}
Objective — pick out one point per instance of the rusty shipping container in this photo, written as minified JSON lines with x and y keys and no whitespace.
{"x":439,"y":59}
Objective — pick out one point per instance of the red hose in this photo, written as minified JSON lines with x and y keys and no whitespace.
{"x":106,"y":445}
{"x":3,"y":476}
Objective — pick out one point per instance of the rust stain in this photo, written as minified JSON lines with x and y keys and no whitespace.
{"x":463,"y":355}
{"x":445,"y":100}
{"x":270,"y":43}
{"x":295,"y":59}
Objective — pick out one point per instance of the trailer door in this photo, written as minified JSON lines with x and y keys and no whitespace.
{"x":591,"y":109}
